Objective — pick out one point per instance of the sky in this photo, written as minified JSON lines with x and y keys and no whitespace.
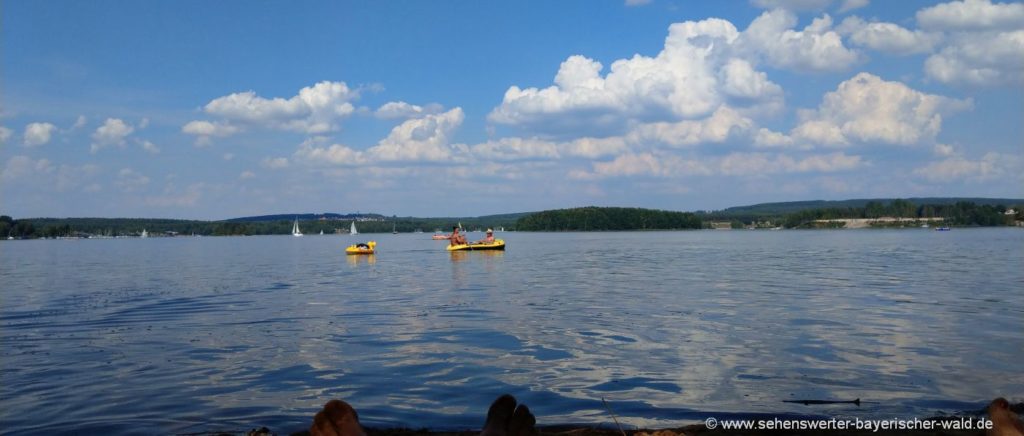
{"x":214,"y":110}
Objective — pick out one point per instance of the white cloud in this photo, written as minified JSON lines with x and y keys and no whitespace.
{"x":111,"y":133}
{"x":680,"y":82}
{"x":664,"y":165}
{"x":637,"y":2}
{"x":958,"y":168}
{"x":228,"y":156}
{"x":943,"y":150}
{"x":980,"y":59}
{"x":79,"y":123}
{"x":275,"y":163}
{"x":714,"y":129}
{"x":972,"y":15}
{"x":5,"y":135}
{"x":512,"y":148}
{"x":888,"y":37}
{"x":130,"y":180}
{"x":753,"y":164}
{"x":867,"y":109}
{"x":205,"y":130}
{"x":150,"y":147}
{"x":245,"y":175}
{"x":646,"y":165}
{"x":316,"y":109}
{"x":37,"y":134}
{"x":793,"y":5}
{"x":335,"y":154}
{"x":849,"y":5}
{"x":740,"y":80}
{"x":772,"y":37}
{"x":765,"y":138}
{"x":23,"y":166}
{"x":401,"y":110}
{"x":419,"y":139}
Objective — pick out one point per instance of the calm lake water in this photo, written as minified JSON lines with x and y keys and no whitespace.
{"x":184,"y":335}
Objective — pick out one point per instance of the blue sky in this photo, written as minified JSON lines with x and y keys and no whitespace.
{"x":213,"y":110}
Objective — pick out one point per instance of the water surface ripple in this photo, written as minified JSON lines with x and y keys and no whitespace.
{"x":197,"y":334}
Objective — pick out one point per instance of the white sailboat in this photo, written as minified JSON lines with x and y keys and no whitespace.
{"x":353,"y":230}
{"x":321,"y":233}
{"x":295,"y":228}
{"x":144,"y":234}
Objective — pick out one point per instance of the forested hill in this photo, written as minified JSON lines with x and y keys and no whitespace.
{"x":784,"y":208}
{"x":607,"y":218}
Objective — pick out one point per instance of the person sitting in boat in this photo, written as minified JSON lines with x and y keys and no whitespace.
{"x":456,"y":238}
{"x":489,"y":239}
{"x":363,"y":245}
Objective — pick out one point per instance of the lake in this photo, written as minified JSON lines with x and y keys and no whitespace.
{"x":183,"y":335}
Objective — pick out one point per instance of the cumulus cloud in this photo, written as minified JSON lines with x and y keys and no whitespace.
{"x":402,"y":110}
{"x":958,"y":168}
{"x":5,"y":135}
{"x":23,"y":166}
{"x":513,"y":148}
{"x":665,"y":165}
{"x":37,"y":134}
{"x":793,"y":5}
{"x":150,"y":147}
{"x":849,"y":5}
{"x":980,"y":59}
{"x":275,"y":163}
{"x":972,"y":15}
{"x":315,"y":109}
{"x":112,"y":133}
{"x":943,"y":150}
{"x":888,"y":37}
{"x":205,"y":130}
{"x":772,"y":38}
{"x":79,"y":122}
{"x":750,"y":164}
{"x":766,"y":138}
{"x":715,"y":129}
{"x":867,"y":109}
{"x":646,"y":165}
{"x":690,"y":78}
{"x":419,"y":139}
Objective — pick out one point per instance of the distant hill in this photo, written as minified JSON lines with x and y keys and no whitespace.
{"x":783,"y":208}
{"x":304,"y":217}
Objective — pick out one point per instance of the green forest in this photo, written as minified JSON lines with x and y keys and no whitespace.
{"x":608,"y":218}
{"x":955,"y":212}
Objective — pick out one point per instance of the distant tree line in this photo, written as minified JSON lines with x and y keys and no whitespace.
{"x":962,"y":213}
{"x":608,"y":218}
{"x":113,"y":227}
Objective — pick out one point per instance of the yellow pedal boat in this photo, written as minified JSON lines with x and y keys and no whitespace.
{"x":367,"y":248}
{"x":498,"y":244}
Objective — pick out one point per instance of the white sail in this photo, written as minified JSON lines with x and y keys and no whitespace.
{"x":295,"y":228}
{"x":353,"y":229}
{"x":144,"y":234}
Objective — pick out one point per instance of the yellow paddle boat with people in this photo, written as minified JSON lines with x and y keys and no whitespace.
{"x":488,"y":243}
{"x":497,"y":244}
{"x":361,"y":248}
